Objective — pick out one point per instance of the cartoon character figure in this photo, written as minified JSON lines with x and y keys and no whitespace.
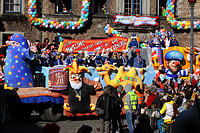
{"x":78,"y":91}
{"x":18,"y":73}
{"x":197,"y":67}
{"x":174,"y":60}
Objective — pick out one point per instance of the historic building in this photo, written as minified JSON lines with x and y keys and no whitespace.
{"x":15,"y":18}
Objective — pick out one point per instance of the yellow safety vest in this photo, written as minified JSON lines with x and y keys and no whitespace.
{"x":133,"y":100}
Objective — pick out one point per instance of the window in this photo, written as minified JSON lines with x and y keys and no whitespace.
{"x":133,"y":7}
{"x":64,"y":6}
{"x":161,"y":6}
{"x":12,"y":6}
{"x":99,"y":7}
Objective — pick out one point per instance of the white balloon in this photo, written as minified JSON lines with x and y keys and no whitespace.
{"x":73,"y":28}
{"x":56,"y":27}
{"x":46,"y":26}
{"x":62,"y":23}
{"x":106,"y":31}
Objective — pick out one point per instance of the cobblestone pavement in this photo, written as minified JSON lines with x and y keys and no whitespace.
{"x":68,"y":125}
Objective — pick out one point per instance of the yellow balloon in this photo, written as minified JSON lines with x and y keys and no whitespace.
{"x":52,"y":22}
{"x":178,"y":28}
{"x":112,"y":29}
{"x":180,"y":23}
{"x":186,"y":27}
{"x":172,"y":6}
{"x":117,"y":35}
{"x":168,"y":19}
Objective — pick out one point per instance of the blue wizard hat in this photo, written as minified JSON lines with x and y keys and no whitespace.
{"x":151,"y":34}
{"x":156,"y":33}
{"x":174,"y":55}
{"x":21,"y":39}
{"x":91,"y":53}
{"x":173,"y":36}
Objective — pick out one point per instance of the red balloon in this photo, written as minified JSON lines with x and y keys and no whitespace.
{"x":168,"y":11}
{"x":41,"y":25}
{"x":88,"y":0}
{"x":76,"y":25}
{"x":30,"y":20}
{"x":36,"y":15}
{"x":84,"y":12}
{"x":62,"y":27}
{"x":176,"y":23}
{"x":114,"y":35}
{"x":183,"y":25}
{"x":88,"y":7}
{"x":82,"y":7}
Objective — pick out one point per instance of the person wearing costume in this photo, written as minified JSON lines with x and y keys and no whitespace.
{"x":174,"y":60}
{"x":80,"y":58}
{"x":91,"y":59}
{"x":149,"y":43}
{"x":156,"y":41}
{"x":124,"y":59}
{"x":173,"y":42}
{"x":137,"y":61}
{"x":69,"y":58}
{"x":57,"y":60}
{"x":98,"y":58}
{"x":78,"y":91}
{"x":106,"y":56}
{"x":170,"y":34}
{"x":134,"y":43}
{"x":18,"y":73}
{"x":44,"y":58}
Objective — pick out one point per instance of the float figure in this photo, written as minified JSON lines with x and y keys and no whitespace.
{"x":18,"y":73}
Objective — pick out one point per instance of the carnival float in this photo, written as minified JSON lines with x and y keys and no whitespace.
{"x":73,"y":90}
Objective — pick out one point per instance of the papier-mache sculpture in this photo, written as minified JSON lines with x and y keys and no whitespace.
{"x":18,"y":73}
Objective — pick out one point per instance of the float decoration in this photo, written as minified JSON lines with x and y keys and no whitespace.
{"x":111,"y":32}
{"x":178,"y":24}
{"x":54,"y":24}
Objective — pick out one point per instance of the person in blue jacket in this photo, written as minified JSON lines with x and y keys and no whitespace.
{"x":134,"y":43}
{"x":57,"y":60}
{"x":124,"y":59}
{"x":174,"y":42}
{"x":44,"y":58}
{"x":90,"y":61}
{"x":138,"y":60}
{"x":149,"y":43}
{"x":156,"y":41}
{"x":98,"y":59}
{"x":80,"y":59}
{"x":69,"y":58}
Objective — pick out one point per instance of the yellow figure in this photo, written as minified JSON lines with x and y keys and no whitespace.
{"x":122,"y":77}
{"x":197,"y":66}
{"x":155,"y":60}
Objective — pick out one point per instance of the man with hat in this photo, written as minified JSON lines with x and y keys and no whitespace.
{"x":134,"y":43}
{"x":69,"y":58}
{"x":80,"y":59}
{"x":174,"y":60}
{"x":91,"y":60}
{"x":98,"y":59}
{"x":56,"y":59}
{"x":149,"y":43}
{"x":44,"y":58}
{"x":170,"y":35}
{"x":137,"y":61}
{"x":173,"y":42}
{"x":106,"y":56}
{"x":124,"y":59}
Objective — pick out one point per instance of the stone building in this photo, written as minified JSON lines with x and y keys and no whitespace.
{"x":14,"y":18}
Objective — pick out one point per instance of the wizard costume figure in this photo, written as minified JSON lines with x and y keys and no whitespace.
{"x":17,"y":71}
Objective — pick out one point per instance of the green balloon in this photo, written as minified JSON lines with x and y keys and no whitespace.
{"x":65,"y":22}
{"x":82,"y":22}
{"x":33,"y":21}
{"x":88,"y":2}
{"x":175,"y":26}
{"x":171,"y":18}
{"x":65,"y":25}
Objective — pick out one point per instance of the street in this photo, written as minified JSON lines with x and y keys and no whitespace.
{"x":67,"y":125}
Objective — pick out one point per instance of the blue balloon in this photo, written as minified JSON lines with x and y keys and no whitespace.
{"x":33,"y":15}
{"x":31,"y":7}
{"x":70,"y":25}
{"x":30,"y":13}
{"x":106,"y":27}
{"x":81,"y":25}
{"x":51,"y":26}
{"x":35,"y":24}
{"x":39,"y":23}
{"x":197,"y":24}
{"x":167,"y":13}
{"x":116,"y":32}
{"x":32,"y":4}
{"x":180,"y":27}
{"x":82,"y":9}
{"x":82,"y":17}
{"x":78,"y":27}
{"x":87,"y":10}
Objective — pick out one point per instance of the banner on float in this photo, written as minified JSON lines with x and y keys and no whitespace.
{"x":135,"y":20}
{"x":117,"y":44}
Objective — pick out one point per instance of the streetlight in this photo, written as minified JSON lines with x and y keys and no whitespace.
{"x":191,"y":2}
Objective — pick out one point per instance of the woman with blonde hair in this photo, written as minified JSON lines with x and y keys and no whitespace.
{"x":115,"y":60}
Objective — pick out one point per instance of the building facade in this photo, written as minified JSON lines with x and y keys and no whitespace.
{"x":14,"y":18}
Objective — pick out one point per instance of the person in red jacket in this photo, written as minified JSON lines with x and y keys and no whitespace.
{"x":152,"y":96}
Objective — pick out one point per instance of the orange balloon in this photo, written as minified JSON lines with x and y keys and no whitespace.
{"x":31,"y":18}
{"x":163,"y":30}
{"x":29,"y":4}
{"x":41,"y":21}
{"x":29,"y":15}
{"x":36,"y":20}
{"x":34,"y":6}
{"x":173,"y":24}
{"x":67,"y":23}
{"x":109,"y":32}
{"x":78,"y":23}
{"x":57,"y":23}
{"x":170,"y":13}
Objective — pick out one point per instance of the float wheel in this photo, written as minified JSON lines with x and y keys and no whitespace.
{"x":3,"y":110}
{"x":20,"y":111}
{"x":54,"y":112}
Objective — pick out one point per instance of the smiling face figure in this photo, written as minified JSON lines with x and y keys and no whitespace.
{"x":174,"y":66}
{"x":14,"y":43}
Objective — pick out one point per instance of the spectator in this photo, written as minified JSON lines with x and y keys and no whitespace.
{"x":115,"y":60}
{"x":166,"y":41}
{"x":105,"y":102}
{"x":149,"y":43}
{"x":169,"y":113}
{"x":130,"y":106}
{"x":103,"y":10}
{"x":38,"y":45}
{"x":156,"y":41}
{"x":134,"y":43}
{"x":44,"y":58}
{"x":124,"y":59}
{"x":152,"y":96}
{"x":46,"y":42}
{"x":57,"y":60}
{"x":173,"y":42}
{"x":170,"y":34}
{"x":137,"y":61}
